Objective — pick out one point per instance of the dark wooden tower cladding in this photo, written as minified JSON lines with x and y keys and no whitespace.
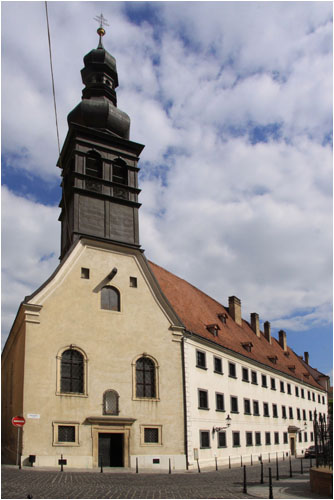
{"x":99,"y":162}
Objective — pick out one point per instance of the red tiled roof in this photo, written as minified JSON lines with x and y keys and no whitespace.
{"x":197,"y":310}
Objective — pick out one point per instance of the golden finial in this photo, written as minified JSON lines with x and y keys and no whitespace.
{"x":100,"y":30}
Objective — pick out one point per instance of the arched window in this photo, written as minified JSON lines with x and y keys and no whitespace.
{"x":72,"y":372}
{"x":145,"y":378}
{"x":110,"y":298}
{"x":110,"y":403}
{"x":120,"y":175}
{"x":94,"y":169}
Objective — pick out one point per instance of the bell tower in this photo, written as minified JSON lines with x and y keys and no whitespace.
{"x":99,"y":163}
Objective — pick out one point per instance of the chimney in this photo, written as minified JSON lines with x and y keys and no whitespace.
{"x":267,"y":331}
{"x":282,"y":340}
{"x":306,"y":357}
{"x":234,"y":308}
{"x":255,"y":323}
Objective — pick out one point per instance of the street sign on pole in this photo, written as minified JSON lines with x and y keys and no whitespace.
{"x":18,"y":421}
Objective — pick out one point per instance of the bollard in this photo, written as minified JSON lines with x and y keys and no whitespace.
{"x":301,"y":466}
{"x":229,"y":462}
{"x":310,"y":461}
{"x":198,"y":467}
{"x":290,"y":466}
{"x":20,"y":459}
{"x":277,"y":473}
{"x":170,"y":467}
{"x":240,"y":460}
{"x":101,"y":464}
{"x":269,"y":457}
{"x":61,"y":464}
{"x":245,"y":484}
{"x":261,"y":472}
{"x":270,"y":485}
{"x":29,"y":496}
{"x":283,"y":456}
{"x":216,"y":463}
{"x":136,"y":465}
{"x":251,"y":459}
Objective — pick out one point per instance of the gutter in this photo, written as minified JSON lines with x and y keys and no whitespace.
{"x":184,"y":404}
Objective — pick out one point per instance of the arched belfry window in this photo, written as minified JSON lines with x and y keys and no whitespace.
{"x":110,"y":298}
{"x":120,"y":176}
{"x":145,"y":378}
{"x":72,"y":372}
{"x":94,"y":169}
{"x":110,"y":403}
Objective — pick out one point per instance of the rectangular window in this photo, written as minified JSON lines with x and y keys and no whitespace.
{"x":310,"y":415}
{"x":258,"y":438}
{"x":247,"y":406}
{"x":281,"y":386}
{"x":254,"y":377}
{"x":275,"y":414}
{"x":288,"y":388}
{"x":283,"y":412}
{"x":200,"y":359}
{"x":302,"y":393}
{"x":85,"y":273}
{"x":267,"y":437}
{"x":313,"y":396}
{"x":220,"y":406}
{"x":304,"y":414}
{"x":245,"y":375}
{"x":298,"y":413}
{"x":204,"y":437}
{"x":309,"y":395}
{"x":323,"y":400}
{"x":203,"y":400}
{"x":236,"y":438}
{"x":249,"y":439}
{"x":319,"y":398}
{"x":290,"y":412}
{"x":218,"y":365}
{"x":256,"y":408}
{"x":305,"y":437}
{"x":285,"y":437}
{"x":232,"y":372}
{"x":65,"y":434}
{"x":221,"y":439}
{"x":276,"y":437}
{"x":265,"y":410}
{"x":151,"y":435}
{"x":133,"y":282}
{"x":234,"y":404}
{"x":272,"y":384}
{"x":264,"y":380}
{"x":300,"y":437}
{"x":297,"y":391}
{"x":311,"y":436}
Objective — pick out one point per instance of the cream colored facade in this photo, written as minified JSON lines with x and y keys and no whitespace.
{"x":66,"y":313}
{"x":298,"y":428}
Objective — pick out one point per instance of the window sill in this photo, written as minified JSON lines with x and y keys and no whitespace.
{"x":234,"y":412}
{"x":244,"y":380}
{"x":247,"y":413}
{"x":267,"y":416}
{"x":275,"y":416}
{"x":72,"y":394}
{"x":236,"y":446}
{"x":248,"y":445}
{"x":205,"y":448}
{"x":222,"y":411}
{"x":201,"y":367}
{"x":222,"y":446}
{"x":145,"y":399}
{"x":273,"y":388}
{"x":256,"y":414}
{"x":66,"y":443}
{"x":203,"y":408}
{"x":255,"y":383}
{"x":233,"y":376}
{"x":264,"y":386}
{"x":218,"y":373}
{"x":258,"y":444}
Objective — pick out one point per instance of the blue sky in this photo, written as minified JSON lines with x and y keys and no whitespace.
{"x":233,"y":101}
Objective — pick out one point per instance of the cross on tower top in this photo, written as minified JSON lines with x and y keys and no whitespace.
{"x":100,"y":30}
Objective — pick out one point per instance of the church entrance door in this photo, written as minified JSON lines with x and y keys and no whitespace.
{"x":111,"y":449}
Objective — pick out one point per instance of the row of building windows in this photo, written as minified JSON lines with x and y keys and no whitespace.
{"x":251,"y":438}
{"x":251,"y":376}
{"x":94,"y":169}
{"x":251,"y":408}
{"x":72,"y":375}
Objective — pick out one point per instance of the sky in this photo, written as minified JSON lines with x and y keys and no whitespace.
{"x":233,"y":101}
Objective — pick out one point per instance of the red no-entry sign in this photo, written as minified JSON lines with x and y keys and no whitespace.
{"x":18,"y":421}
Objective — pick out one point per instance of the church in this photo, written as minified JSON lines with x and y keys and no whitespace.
{"x":115,"y":361}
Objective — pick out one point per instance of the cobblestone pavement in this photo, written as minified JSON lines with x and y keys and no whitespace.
{"x":225,"y":483}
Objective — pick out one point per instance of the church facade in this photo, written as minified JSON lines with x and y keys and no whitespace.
{"x":116,"y":361}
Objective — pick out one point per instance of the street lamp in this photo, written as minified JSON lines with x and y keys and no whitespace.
{"x":228,"y":423}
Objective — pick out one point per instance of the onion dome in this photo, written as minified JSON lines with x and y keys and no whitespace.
{"x":98,"y":107}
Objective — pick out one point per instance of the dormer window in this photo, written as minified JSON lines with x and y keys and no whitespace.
{"x":222,"y":317}
{"x":292,"y":368}
{"x":273,"y":359}
{"x":247,"y":346}
{"x":213,"y":329}
{"x":287,"y":354}
{"x":306,"y":375}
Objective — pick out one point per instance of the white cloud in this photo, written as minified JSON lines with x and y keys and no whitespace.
{"x":229,"y":216}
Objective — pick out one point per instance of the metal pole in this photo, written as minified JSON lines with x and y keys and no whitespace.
{"x":240,"y":460}
{"x":290,"y":466}
{"x":251,"y":459}
{"x":198,"y":467}
{"x":261,"y":472}
{"x":18,"y":447}
{"x":20,"y":460}
{"x":301,"y":466}
{"x":170,"y":467}
{"x":136,"y":465}
{"x":61,"y":464}
{"x":270,"y":485}
{"x":216,"y":463}
{"x":245,"y":484}
{"x":101,"y":464}
{"x":277,"y":473}
{"x":229,"y":462}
